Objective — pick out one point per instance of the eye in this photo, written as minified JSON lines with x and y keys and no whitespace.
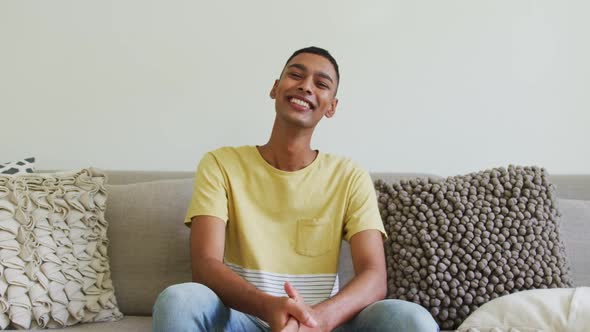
{"x":295,"y":75}
{"x":323,"y":85}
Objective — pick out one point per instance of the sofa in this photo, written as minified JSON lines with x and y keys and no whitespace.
{"x":149,"y":244}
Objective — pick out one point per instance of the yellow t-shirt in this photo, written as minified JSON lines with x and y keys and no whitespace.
{"x":285,"y":225}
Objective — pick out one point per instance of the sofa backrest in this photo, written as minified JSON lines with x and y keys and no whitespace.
{"x":149,"y":244}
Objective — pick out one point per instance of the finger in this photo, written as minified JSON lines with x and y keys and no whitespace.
{"x":300,"y":312}
{"x":289,"y":327}
{"x":292,"y":291}
{"x":292,"y":325}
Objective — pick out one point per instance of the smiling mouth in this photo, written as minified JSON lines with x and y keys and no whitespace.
{"x":300,"y":102}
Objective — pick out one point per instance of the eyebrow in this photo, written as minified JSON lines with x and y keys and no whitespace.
{"x":319,"y":73}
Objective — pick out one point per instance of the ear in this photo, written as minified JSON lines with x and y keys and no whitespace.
{"x":273,"y":91}
{"x":330,"y":113}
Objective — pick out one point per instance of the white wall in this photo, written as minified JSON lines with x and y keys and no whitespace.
{"x":443,"y":87}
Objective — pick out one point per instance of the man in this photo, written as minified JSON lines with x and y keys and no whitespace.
{"x":266,"y":226}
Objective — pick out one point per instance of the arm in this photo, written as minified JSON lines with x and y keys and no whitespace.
{"x":368,"y":286}
{"x":207,"y":247}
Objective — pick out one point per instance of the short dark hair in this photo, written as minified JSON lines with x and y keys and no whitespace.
{"x":321,"y":52}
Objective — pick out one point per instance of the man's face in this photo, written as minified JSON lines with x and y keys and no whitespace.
{"x":306,"y":90}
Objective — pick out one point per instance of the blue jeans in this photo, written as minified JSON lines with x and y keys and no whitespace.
{"x":191,"y":307}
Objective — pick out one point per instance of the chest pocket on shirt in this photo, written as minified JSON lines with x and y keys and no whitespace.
{"x":314,"y":236}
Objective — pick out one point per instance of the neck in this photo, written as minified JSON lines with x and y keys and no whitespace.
{"x":288,"y":150}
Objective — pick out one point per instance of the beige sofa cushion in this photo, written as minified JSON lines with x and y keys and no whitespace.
{"x":149,"y":243}
{"x":127,"y":324}
{"x":575,"y":227}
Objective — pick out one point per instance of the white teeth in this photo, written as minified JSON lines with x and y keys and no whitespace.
{"x":299,"y":102}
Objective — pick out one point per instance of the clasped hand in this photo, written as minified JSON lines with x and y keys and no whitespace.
{"x":292,"y":314}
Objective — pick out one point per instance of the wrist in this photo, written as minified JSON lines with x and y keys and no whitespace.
{"x":322,"y":314}
{"x":264,"y":304}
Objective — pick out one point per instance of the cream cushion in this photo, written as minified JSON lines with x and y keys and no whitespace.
{"x":54,"y":268}
{"x":546,"y":310}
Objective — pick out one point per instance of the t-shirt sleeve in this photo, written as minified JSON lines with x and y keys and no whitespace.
{"x":362,"y":212}
{"x":210,"y":191}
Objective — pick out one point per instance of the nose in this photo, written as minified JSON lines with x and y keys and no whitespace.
{"x":305,"y":85}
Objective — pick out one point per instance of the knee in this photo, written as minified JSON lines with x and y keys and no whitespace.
{"x":186,"y":307}
{"x":403,"y":315}
{"x":175,"y":298}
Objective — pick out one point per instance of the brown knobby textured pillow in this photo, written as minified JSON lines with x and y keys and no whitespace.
{"x":54,"y":268}
{"x":456,"y":243}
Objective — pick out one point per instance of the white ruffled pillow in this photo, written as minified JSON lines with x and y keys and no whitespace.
{"x":539,"y":310}
{"x":54,"y":268}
